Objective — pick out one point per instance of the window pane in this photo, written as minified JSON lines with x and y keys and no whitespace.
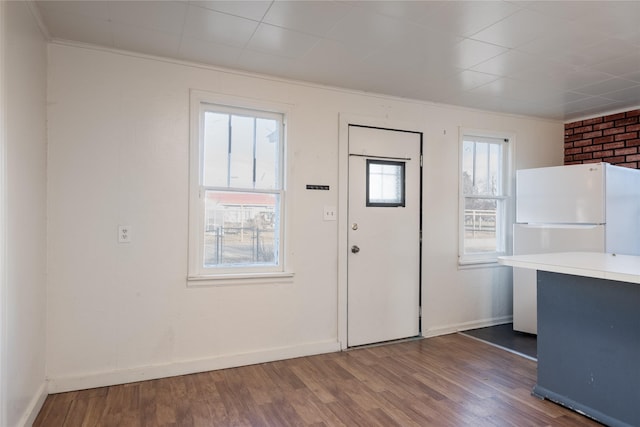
{"x":236,"y":146}
{"x":241,"y":156}
{"x":241,"y":229}
{"x":385,"y":183}
{"x":482,"y":168}
{"x":267,"y":143}
{"x":216,"y":149}
{"x":481,"y":217}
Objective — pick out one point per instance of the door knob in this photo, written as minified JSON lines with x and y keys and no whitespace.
{"x":355,"y":249}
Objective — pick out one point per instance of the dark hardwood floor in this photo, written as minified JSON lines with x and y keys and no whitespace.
{"x":451,"y":380}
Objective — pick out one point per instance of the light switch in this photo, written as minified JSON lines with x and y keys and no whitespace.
{"x":124,"y":234}
{"x":330,"y":213}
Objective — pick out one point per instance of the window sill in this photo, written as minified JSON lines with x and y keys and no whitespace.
{"x":239,"y":279}
{"x":467,"y":265}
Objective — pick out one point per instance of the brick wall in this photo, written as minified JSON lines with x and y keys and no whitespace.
{"x":613,"y":139}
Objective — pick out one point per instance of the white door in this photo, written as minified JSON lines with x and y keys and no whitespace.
{"x":383,"y":279}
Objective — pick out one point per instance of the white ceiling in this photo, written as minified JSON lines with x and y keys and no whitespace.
{"x":554,"y":59}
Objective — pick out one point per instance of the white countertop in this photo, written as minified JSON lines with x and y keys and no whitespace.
{"x":624,"y":268}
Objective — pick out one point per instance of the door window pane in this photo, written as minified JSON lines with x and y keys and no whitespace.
{"x":385,"y":183}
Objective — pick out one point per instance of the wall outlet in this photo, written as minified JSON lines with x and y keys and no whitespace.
{"x":330,"y":213}
{"x":124,"y":234}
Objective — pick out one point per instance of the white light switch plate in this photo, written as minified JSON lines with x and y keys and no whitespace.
{"x":124,"y":234}
{"x":330,"y":213}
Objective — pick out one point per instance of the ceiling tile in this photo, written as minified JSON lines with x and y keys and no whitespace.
{"x":94,"y":9}
{"x":165,"y":16}
{"x":363,"y":31}
{"x":266,"y":63}
{"x":466,"y":18}
{"x":507,"y":63}
{"x":310,"y":17}
{"x":254,"y":10}
{"x":207,"y":52}
{"x":561,"y":40}
{"x":594,"y":102}
{"x":145,"y":41}
{"x":608,"y":49}
{"x":280,"y":41}
{"x":87,"y":29}
{"x":629,"y":95}
{"x":218,"y":27}
{"x":517,"y":29}
{"x":606,"y":86}
{"x":469,"y":53}
{"x":626,"y":65}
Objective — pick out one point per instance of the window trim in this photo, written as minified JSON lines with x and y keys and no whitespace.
{"x":197,"y":274}
{"x":506,"y":198}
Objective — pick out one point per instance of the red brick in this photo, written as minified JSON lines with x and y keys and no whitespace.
{"x":633,"y":128}
{"x":605,"y":125}
{"x":613,"y":131}
{"x":584,"y":156}
{"x":573,"y":124}
{"x":625,"y":136}
{"x":573,"y":151}
{"x":614,"y":145}
{"x":626,"y":151}
{"x":568,"y":132}
{"x":583,"y":129}
{"x":591,"y":148}
{"x":627,"y":121}
{"x":633,"y":113}
{"x":574,"y":162}
{"x":602,"y":154}
{"x":568,"y":145}
{"x":603,"y":140}
{"x":582,"y":142}
{"x":592,"y":121}
{"x":631,"y":165}
{"x":592,"y":161}
{"x":632,"y":142}
{"x":633,"y":158}
{"x":592,"y":134}
{"x":614,"y":160}
{"x":568,"y":159}
{"x":614,"y":117}
{"x":572,"y":138}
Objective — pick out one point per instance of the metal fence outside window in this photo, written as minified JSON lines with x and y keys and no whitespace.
{"x":239,"y":245}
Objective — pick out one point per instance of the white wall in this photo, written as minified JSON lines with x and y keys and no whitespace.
{"x":24,"y":293}
{"x":118,"y":154}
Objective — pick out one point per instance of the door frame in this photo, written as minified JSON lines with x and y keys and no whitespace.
{"x":346,"y":119}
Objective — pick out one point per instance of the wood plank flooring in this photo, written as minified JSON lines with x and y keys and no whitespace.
{"x":451,"y":380}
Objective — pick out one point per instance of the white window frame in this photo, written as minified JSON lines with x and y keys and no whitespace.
{"x":198,"y":274}
{"x":505,"y":200}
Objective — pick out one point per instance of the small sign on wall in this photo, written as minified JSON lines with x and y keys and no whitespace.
{"x":317,"y":187}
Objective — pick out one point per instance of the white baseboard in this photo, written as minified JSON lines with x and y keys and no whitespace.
{"x":32,"y":411}
{"x":123,"y":376}
{"x":464,"y":326}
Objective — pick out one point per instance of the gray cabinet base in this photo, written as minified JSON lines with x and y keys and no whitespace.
{"x":589,"y":346}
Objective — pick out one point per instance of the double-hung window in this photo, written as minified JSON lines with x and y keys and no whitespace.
{"x":485,"y":176}
{"x":236,"y":191}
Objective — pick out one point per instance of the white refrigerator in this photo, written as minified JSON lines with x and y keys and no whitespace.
{"x":590,"y":208}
